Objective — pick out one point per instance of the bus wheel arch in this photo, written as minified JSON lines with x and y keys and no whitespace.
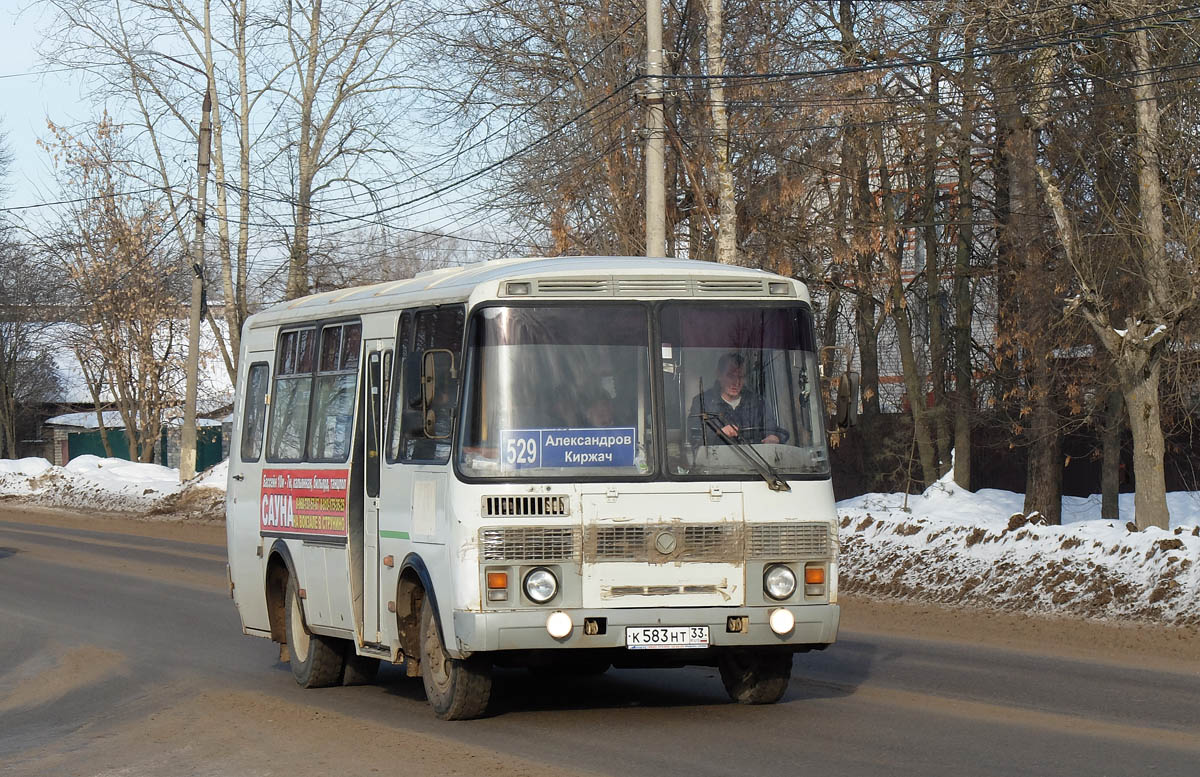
{"x":410,"y":594}
{"x":279,"y":571}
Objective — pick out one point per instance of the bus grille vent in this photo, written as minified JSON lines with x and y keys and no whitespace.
{"x":653,"y":287}
{"x":790,"y":540}
{"x":620,"y":542}
{"x":660,"y":543}
{"x":526,"y":506}
{"x":730,"y":287}
{"x":528,"y":543}
{"x":574,"y":286}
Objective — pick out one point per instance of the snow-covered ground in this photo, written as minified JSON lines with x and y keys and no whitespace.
{"x":91,"y":483}
{"x":946,"y":545}
{"x":955,"y":546}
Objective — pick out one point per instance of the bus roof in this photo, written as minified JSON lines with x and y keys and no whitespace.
{"x":552,"y":277}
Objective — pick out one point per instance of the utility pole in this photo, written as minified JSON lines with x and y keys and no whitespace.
{"x":656,"y":162}
{"x":727,"y":208}
{"x":187,"y":436}
{"x":194,"y":266}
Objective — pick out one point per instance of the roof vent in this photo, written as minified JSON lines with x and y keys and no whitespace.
{"x":573,"y":286}
{"x":652,"y":287}
{"x":730,"y":287}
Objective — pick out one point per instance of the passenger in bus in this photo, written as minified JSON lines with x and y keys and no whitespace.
{"x":737,"y":411}
{"x":600,"y":411}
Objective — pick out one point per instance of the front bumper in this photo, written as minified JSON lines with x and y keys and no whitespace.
{"x":478,"y":632}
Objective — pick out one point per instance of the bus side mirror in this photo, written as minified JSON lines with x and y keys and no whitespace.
{"x":437,"y":371}
{"x":846,"y":412}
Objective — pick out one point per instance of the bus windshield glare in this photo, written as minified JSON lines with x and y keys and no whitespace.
{"x":738,"y":375}
{"x":558,"y":392}
{"x":565,"y":392}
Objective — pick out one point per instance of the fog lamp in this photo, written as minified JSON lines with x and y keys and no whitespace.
{"x":782,"y":621}
{"x":559,"y":624}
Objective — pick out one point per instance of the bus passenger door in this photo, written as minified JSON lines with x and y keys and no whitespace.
{"x":378,"y":366}
{"x":242,"y":521}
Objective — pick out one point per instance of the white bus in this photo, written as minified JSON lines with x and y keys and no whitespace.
{"x":562,"y":464}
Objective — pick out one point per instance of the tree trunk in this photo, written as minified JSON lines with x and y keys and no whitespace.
{"x":1043,"y":477}
{"x":1141,"y":380}
{"x":913,"y":384}
{"x":1043,"y":489}
{"x":1110,"y":465}
{"x":963,"y":378}
{"x":726,"y":207}
{"x":938,"y":416}
{"x":298,"y":280}
{"x":868,"y":354}
{"x":1150,"y":495}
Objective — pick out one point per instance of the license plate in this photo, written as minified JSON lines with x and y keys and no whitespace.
{"x":664,"y":637}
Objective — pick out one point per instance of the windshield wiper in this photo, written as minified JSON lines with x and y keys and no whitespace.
{"x":748,"y":453}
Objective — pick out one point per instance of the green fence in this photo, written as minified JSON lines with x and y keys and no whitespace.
{"x":208,"y":446}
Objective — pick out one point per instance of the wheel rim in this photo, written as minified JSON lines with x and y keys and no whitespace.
{"x":299,"y":636}
{"x":435,"y":656}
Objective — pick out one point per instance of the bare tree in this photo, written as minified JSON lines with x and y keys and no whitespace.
{"x":128,"y":338}
{"x":28,"y":375}
{"x":1136,"y":312}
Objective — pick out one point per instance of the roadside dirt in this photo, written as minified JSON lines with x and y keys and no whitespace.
{"x":46,"y":680}
{"x":206,"y":736}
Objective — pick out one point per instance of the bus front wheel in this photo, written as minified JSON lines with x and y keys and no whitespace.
{"x":457,"y":689}
{"x":756,"y":677}
{"x":316,"y":660}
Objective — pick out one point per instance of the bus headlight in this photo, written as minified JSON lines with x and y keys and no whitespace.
{"x":541,"y":585}
{"x":779,"y":582}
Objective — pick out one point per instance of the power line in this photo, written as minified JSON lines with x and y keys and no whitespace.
{"x":1049,"y":41}
{"x":76,"y":200}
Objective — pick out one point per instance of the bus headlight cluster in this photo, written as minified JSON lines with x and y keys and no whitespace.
{"x":541,"y":585}
{"x":779,"y":582}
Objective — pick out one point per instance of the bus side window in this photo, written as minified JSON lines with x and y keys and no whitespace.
{"x":333,"y":394}
{"x":288,"y":429}
{"x":436,"y":329}
{"x":255,"y":412}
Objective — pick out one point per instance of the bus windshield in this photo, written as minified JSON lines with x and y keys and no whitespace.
{"x":740,"y":384}
{"x":558,"y":391}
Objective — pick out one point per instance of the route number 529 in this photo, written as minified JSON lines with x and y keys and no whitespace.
{"x":522,"y":450}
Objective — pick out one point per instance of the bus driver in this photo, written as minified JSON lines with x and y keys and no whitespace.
{"x":738,"y":412}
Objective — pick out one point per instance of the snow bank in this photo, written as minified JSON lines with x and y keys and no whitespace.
{"x":92,"y":483}
{"x":955,"y":546}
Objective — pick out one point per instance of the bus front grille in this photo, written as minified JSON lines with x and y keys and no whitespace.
{"x":553,"y":505}
{"x":811,"y":539}
{"x":528,"y":543}
{"x":660,"y":543}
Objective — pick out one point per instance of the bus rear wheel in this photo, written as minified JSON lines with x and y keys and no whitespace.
{"x":316,"y":660}
{"x":756,"y":677}
{"x":457,"y":689}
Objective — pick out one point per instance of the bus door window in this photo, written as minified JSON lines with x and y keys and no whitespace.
{"x":288,"y":428}
{"x":255,"y":415}
{"x":374,"y":409}
{"x":427,"y":393}
{"x":400,"y":366}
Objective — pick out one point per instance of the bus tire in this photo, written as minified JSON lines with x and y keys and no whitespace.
{"x":316,"y":660}
{"x":756,"y":677}
{"x":360,"y":670}
{"x":457,"y":689}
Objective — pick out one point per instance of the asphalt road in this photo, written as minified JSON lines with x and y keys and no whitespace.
{"x":106,"y":637}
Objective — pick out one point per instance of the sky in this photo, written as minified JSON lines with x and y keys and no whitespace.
{"x":32,"y":91}
{"x":27,"y":98}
